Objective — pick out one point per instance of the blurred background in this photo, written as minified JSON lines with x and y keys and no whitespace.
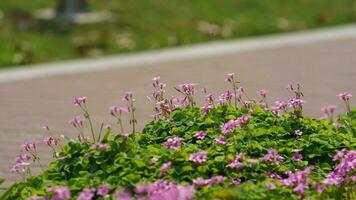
{"x":35,"y":31}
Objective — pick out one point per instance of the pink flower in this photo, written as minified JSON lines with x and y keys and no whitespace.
{"x":272,"y":156}
{"x":165,"y":167}
{"x":100,"y":146}
{"x":235,"y":181}
{"x":207,"y":107}
{"x":263,"y":93}
{"x":328,"y":109}
{"x":274,"y":175}
{"x":300,"y":189}
{"x":20,"y":167}
{"x":340,"y":154}
{"x":128,"y":96}
{"x":230,"y":77}
{"x":199,"y":157}
{"x":345,"y":96}
{"x":103,"y":190}
{"x":123,"y":195}
{"x":221,"y":140}
{"x":86,"y":194}
{"x":290,"y":86}
{"x":29,"y":146}
{"x":209,"y":98}
{"x":240,"y":91}
{"x":162,"y":189}
{"x":216,"y":180}
{"x":271,"y":186}
{"x":155,"y":81}
{"x":186,"y":88}
{"x":77,"y":121}
{"x":23,"y":157}
{"x":51,"y":141}
{"x":116,"y":110}
{"x":200,"y":135}
{"x":296,"y":102}
{"x":79,"y":101}
{"x":243,"y":120}
{"x":228,"y":127}
{"x":263,"y":105}
{"x":281,"y":104}
{"x":108,"y":126}
{"x":297,"y":156}
{"x":173,"y":143}
{"x":236,"y":163}
{"x":60,"y":193}
{"x":298,"y":132}
{"x":199,"y":182}
{"x":298,"y":180}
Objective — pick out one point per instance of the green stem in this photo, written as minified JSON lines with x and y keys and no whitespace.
{"x":91,"y":125}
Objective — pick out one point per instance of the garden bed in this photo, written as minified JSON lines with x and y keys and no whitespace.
{"x":232,"y":147}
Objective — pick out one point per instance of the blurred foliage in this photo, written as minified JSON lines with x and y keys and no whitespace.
{"x":150,"y":24}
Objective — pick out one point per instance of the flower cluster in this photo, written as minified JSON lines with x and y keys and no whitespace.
{"x":173,"y":143}
{"x":165,"y":166}
{"x":188,"y":90}
{"x":60,"y":193}
{"x":80,"y":101}
{"x":298,"y":180}
{"x":225,"y":98}
{"x":220,"y":140}
{"x":100,"y":146}
{"x":343,"y":170}
{"x":161,"y":106}
{"x":345,"y":96}
{"x":328,"y":112}
{"x":236,"y":163}
{"x":272,"y":156}
{"x":200,"y":135}
{"x":77,"y":121}
{"x":297,"y":156}
{"x":199,"y":157}
{"x":21,"y":165}
{"x":230,"y":125}
{"x":200,"y":182}
{"x":51,"y":141}
{"x":162,"y":189}
{"x":86,"y":194}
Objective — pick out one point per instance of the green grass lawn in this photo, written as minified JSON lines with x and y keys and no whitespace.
{"x":149,"y":24}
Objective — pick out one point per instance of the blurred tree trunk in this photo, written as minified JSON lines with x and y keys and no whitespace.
{"x":69,"y":7}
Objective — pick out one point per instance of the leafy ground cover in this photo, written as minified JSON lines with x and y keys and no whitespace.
{"x":141,"y":24}
{"x":230,"y":148}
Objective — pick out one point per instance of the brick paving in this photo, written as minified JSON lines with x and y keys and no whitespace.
{"x":324,"y":69}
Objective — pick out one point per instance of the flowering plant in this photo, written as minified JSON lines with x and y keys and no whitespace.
{"x":232,"y":148}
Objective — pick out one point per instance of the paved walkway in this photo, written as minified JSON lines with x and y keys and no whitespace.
{"x":324,"y":68}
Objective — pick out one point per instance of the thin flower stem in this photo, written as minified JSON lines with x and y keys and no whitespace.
{"x":132,"y":120}
{"x":87,"y":116}
{"x":119,"y":121}
{"x":40,"y":164}
{"x":234,"y":88}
